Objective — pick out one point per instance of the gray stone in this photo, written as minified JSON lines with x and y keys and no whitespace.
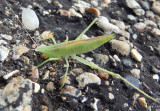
{"x":155,"y":70}
{"x":127,"y":62}
{"x":133,"y":81}
{"x":131,"y":17}
{"x":145,"y":4}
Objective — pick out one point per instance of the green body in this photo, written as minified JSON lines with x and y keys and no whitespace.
{"x":70,"y":48}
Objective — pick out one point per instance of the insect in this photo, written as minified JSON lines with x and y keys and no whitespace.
{"x":78,"y":46}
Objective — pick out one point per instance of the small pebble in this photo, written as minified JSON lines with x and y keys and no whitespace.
{"x":87,"y":78}
{"x":94,"y":11}
{"x":94,"y":3}
{"x":47,"y":34}
{"x":64,"y":12}
{"x":3,"y":53}
{"x":120,"y":46}
{"x":7,"y":37}
{"x":142,"y":102}
{"x":133,"y":4}
{"x":156,"y":77}
{"x":136,"y":73}
{"x":67,"y":80}
{"x":107,"y":27}
{"x":140,"y":26}
{"x":111,"y":96}
{"x":74,"y":13}
{"x":30,"y":19}
{"x":134,"y":36}
{"x":156,"y":7}
{"x":150,"y":14}
{"x":103,"y":75}
{"x":102,"y":59}
{"x":136,"y":55}
{"x":154,"y":70}
{"x":107,"y":83}
{"x":156,"y":31}
{"x":94,"y":104}
{"x":3,"y":42}
{"x":118,"y":23}
{"x":70,"y":90}
{"x":133,"y":81}
{"x":26,"y":60}
{"x":50,"y":86}
{"x":127,"y":63}
{"x":36,"y":87}
{"x":18,"y":51}
{"x":46,"y":75}
{"x":131,"y":17}
{"x":125,"y":105}
{"x":145,"y":4}
{"x":34,"y":74}
{"x":116,"y":58}
{"x":10,"y":74}
{"x":150,"y":23}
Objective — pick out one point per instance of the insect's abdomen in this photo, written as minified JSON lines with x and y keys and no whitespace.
{"x":77,"y":46}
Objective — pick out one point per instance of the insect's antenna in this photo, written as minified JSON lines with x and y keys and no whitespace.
{"x":21,"y":23}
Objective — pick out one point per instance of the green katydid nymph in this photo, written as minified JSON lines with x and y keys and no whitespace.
{"x":79,"y":46}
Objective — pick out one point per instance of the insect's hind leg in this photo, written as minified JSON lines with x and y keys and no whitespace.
{"x":49,"y":38}
{"x":65,"y":75}
{"x":50,"y":59}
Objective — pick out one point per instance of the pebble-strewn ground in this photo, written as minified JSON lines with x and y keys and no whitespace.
{"x":134,"y":54}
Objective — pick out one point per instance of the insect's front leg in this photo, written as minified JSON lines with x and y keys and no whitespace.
{"x":49,"y":59}
{"x":53,"y":40}
{"x":65,"y":75}
{"x":86,"y":29}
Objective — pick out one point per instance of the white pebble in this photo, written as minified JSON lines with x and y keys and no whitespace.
{"x":10,"y":74}
{"x":156,"y":31}
{"x":107,"y":27}
{"x":116,"y":58}
{"x":136,"y":55}
{"x":3,"y":53}
{"x":140,"y":26}
{"x":134,"y":36}
{"x":131,"y":17}
{"x":94,"y":104}
{"x":156,"y":77}
{"x":136,"y":73}
{"x":30,"y":19}
{"x":111,"y":96}
{"x":150,"y":23}
{"x":36,"y":87}
{"x":7,"y":37}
